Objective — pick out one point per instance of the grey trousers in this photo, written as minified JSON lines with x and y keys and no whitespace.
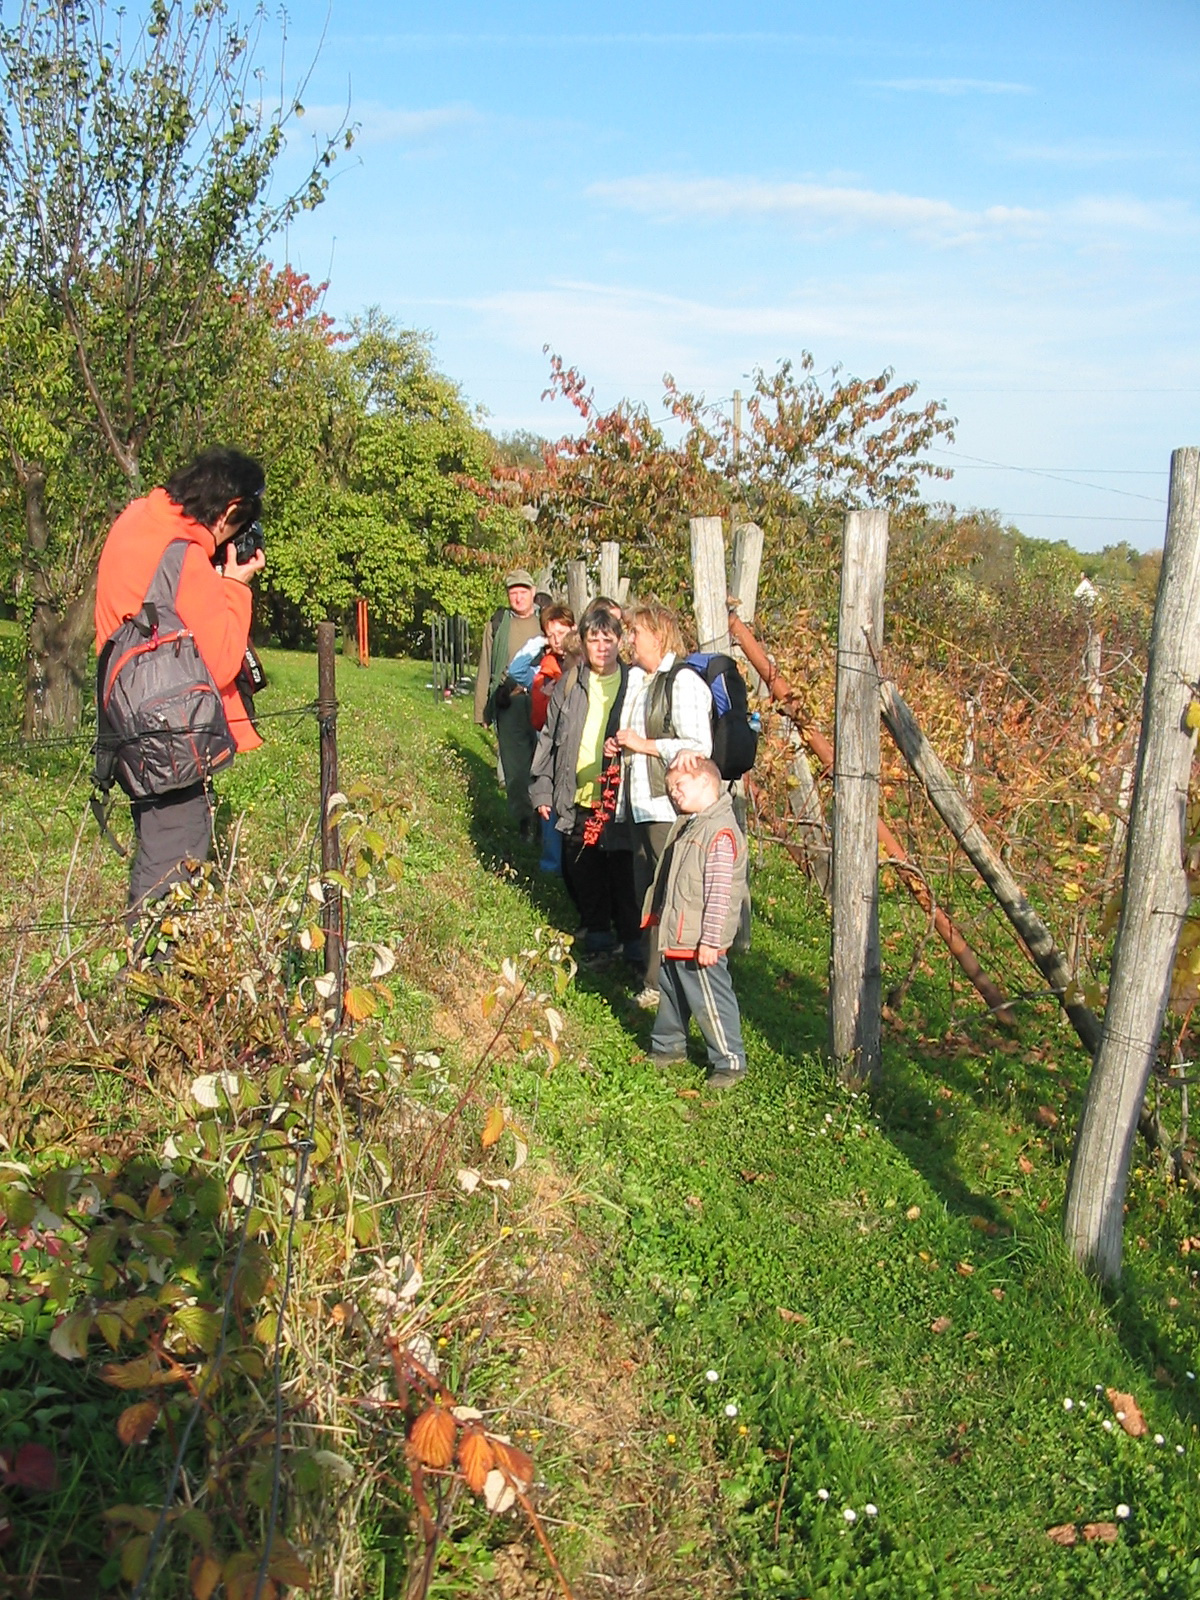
{"x":516,"y":738}
{"x":686,"y":989}
{"x":170,"y":831}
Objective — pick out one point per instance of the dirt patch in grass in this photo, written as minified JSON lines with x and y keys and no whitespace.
{"x":628,"y":1512}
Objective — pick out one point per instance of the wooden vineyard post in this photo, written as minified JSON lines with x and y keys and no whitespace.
{"x":747,"y":563}
{"x":577,"y":587}
{"x":855,"y":971}
{"x":331,"y":857}
{"x":1156,"y":894}
{"x":610,"y":568}
{"x":710,"y":588}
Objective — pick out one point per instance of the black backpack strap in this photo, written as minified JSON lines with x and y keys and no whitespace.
{"x":104,"y":769}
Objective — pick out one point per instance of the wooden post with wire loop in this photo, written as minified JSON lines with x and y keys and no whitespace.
{"x":331,"y":856}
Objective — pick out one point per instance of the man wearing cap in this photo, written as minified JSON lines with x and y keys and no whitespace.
{"x":507,"y":630}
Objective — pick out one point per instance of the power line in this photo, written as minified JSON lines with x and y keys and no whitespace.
{"x":1042,"y":472}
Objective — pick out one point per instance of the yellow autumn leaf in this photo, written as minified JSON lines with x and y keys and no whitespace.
{"x":1192,"y":719}
{"x":359,"y":1004}
{"x":493,"y":1127}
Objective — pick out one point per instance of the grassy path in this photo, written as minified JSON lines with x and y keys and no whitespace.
{"x":861,"y":1312}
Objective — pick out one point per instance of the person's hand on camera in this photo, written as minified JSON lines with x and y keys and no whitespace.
{"x":241,"y":572}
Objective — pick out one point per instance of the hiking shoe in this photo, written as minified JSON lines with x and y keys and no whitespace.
{"x":724,"y":1077}
{"x":664,"y":1058}
{"x":647,"y":999}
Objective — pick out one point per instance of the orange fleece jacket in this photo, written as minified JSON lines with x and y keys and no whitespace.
{"x":216,"y":609}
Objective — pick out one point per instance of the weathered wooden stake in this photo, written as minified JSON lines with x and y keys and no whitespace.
{"x":747,"y":563}
{"x":610,"y":568}
{"x":331,"y":856}
{"x":364,"y":641}
{"x":855,"y":972}
{"x":578,"y":591}
{"x":710,"y":596}
{"x":1156,"y":894}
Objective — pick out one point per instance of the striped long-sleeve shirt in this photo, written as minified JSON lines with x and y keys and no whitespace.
{"x":718,"y":886}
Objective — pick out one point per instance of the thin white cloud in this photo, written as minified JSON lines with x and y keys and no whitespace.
{"x":381,"y":124}
{"x":950,"y":86}
{"x":840,"y":206}
{"x":822,"y":204}
{"x":1081,"y":152}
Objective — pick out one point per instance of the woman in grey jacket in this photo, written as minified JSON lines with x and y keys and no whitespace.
{"x":572,"y":777}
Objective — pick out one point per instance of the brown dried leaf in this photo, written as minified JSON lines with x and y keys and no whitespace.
{"x":1064,"y":1534}
{"x":1100,"y":1532}
{"x":205,"y":1575}
{"x":135,"y":1423}
{"x":1045,"y":1117}
{"x":493,"y":1127}
{"x":792,"y":1316}
{"x":687,"y":1094}
{"x":965,"y":1269}
{"x":515,"y":1463}
{"x":432,"y":1436}
{"x":913,"y":1213}
{"x":476,"y":1458}
{"x":997,"y":1294}
{"x":1025,"y":1164}
{"x":940,"y":1324}
{"x":1127,"y":1412}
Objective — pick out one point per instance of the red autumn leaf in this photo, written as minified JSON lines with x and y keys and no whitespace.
{"x":1127,"y":1412}
{"x":1064,"y":1534}
{"x":34,"y":1467}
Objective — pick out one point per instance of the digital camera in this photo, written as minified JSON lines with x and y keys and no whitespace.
{"x":247,"y":542}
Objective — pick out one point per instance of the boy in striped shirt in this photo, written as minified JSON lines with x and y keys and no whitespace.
{"x":696,"y":902}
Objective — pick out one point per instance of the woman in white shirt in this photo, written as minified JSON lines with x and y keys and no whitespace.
{"x":667,"y":709}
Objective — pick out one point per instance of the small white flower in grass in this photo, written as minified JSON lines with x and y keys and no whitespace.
{"x":731,"y":1410}
{"x":1108,"y":1424}
{"x":1068,"y":1404}
{"x":850,"y":1514}
{"x":713,"y":1375}
{"x":1178,"y":1449}
{"x":871,"y":1511}
{"x":1099,"y":1388}
{"x":1123,"y":1512}
{"x":1158,"y":1439}
{"x":822,"y":1494}
{"x":1191,"y":1377}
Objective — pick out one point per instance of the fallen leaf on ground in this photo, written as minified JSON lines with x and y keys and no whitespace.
{"x":1100,"y":1532}
{"x":1045,"y":1117}
{"x":940,"y":1324}
{"x":687,"y":1094}
{"x":792,"y":1316}
{"x":913,"y":1213}
{"x":997,"y":1294}
{"x":1025,"y":1164}
{"x":964,"y":1269}
{"x":1128,"y":1413}
{"x":1064,"y":1534}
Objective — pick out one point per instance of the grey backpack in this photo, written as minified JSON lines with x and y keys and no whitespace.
{"x":160,"y":724}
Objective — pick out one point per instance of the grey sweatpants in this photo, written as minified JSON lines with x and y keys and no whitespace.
{"x":170,"y":831}
{"x":686,"y":989}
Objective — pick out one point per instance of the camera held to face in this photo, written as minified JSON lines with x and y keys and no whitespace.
{"x":248,"y":542}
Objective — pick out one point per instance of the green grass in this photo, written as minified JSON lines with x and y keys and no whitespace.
{"x":868,"y":1224}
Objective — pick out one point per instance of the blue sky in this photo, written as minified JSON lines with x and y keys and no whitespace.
{"x":997,"y":200}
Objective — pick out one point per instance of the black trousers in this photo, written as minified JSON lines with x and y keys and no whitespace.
{"x":600,"y":882}
{"x":172,"y":830}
